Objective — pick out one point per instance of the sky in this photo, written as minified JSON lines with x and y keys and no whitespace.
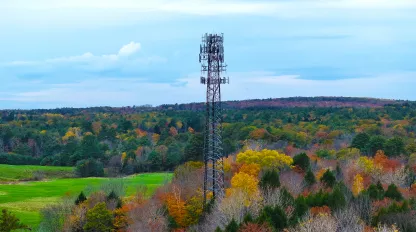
{"x":79,"y":53}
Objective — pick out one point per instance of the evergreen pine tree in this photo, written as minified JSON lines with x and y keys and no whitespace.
{"x":309,"y":178}
{"x":81,"y":198}
{"x":270,"y":179}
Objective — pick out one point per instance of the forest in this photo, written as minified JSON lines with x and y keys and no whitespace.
{"x":297,"y":164}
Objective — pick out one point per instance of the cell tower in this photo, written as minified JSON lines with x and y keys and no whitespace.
{"x":211,"y":58}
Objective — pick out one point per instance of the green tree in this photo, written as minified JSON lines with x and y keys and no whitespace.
{"x":376,"y":143}
{"x":301,"y":207}
{"x":99,"y":219}
{"x":89,"y":167}
{"x":394,"y":146}
{"x":328,"y":178}
{"x":232,"y":226}
{"x":274,"y":216}
{"x":393,"y":193}
{"x":336,"y":199}
{"x":9,"y":222}
{"x":114,"y":197}
{"x":309,"y":178}
{"x":360,"y":141}
{"x":270,"y":179}
{"x":155,"y":161}
{"x":194,"y":149}
{"x":81,"y":198}
{"x":89,"y":148}
{"x":301,"y":160}
{"x":376,"y":192}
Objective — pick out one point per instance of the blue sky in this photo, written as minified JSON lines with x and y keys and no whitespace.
{"x":79,"y":53}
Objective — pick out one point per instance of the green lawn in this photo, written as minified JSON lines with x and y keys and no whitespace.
{"x":25,"y":199}
{"x":23,"y":172}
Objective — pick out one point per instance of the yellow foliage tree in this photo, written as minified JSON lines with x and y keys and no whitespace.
{"x":265,"y":158}
{"x":155,"y":138}
{"x":68,"y":135}
{"x":251,"y":169}
{"x":246,"y":182}
{"x":179,"y":124}
{"x":366,"y":164}
{"x":320,"y":173}
{"x":73,"y":132}
{"x":358,"y":185}
{"x":194,"y":208}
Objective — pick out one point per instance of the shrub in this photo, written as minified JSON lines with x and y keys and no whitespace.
{"x":325,"y":154}
{"x":302,"y":160}
{"x":99,"y":218}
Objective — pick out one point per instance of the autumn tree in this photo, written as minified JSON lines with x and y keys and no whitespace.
{"x":358,"y":185}
{"x":265,"y":158}
{"x":246,"y":182}
{"x":251,"y":169}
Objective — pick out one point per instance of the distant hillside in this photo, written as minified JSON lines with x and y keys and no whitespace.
{"x":292,"y":102}
{"x":240,"y":104}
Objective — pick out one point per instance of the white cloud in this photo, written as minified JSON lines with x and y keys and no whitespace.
{"x":125,"y":52}
{"x":129,"y":49}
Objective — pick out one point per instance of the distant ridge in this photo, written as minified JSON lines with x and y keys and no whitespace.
{"x":357,"y":102}
{"x":293,"y":102}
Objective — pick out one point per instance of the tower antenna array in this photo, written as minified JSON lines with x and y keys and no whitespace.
{"x":211,"y":58}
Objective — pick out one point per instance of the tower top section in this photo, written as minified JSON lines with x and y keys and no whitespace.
{"x":211,"y":57}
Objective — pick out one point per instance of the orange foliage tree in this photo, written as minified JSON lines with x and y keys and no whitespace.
{"x":324,"y":210}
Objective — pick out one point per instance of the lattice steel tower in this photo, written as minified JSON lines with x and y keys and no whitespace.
{"x":211,"y":58}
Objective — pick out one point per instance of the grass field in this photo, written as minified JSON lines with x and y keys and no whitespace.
{"x":24,"y":172}
{"x":25,"y":199}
